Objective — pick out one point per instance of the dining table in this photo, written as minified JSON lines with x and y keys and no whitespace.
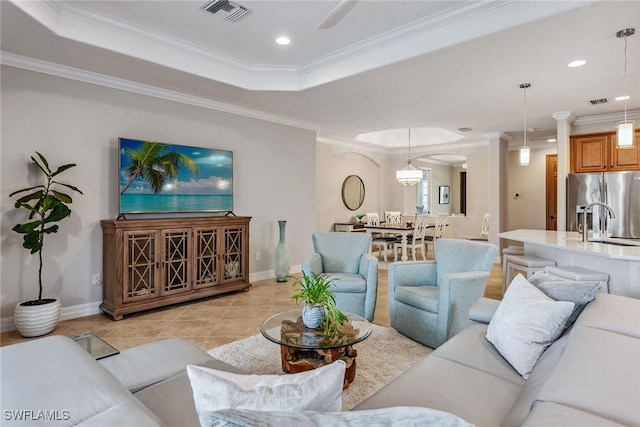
{"x":403,"y":230}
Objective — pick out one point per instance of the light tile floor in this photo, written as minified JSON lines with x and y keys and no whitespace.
{"x":217,"y":320}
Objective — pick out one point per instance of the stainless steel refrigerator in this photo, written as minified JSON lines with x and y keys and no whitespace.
{"x":619,"y":190}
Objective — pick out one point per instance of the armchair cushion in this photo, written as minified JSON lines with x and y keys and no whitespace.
{"x":422,"y":297}
{"x":348,"y":282}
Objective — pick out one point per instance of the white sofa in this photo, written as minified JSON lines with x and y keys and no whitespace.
{"x":588,"y":377}
{"x":55,"y":378}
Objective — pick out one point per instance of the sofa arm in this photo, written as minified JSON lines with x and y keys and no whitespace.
{"x":483,"y":310}
{"x":312,"y":264}
{"x":142,"y":366}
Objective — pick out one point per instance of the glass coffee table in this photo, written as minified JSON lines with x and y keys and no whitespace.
{"x":304,"y":349}
{"x":95,"y":345}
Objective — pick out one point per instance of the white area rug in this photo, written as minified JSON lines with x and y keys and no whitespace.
{"x":381,"y":357}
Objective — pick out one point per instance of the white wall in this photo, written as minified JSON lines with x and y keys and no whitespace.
{"x":441,"y":175}
{"x":70,"y":121}
{"x":528,"y":210}
{"x":335,"y":163}
{"x":478,"y":192}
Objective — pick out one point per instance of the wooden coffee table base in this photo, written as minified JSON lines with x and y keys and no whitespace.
{"x":299,"y":360}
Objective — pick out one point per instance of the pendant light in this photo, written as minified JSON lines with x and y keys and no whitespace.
{"x":625,"y":127}
{"x":525,"y":151}
{"x":409,"y":175}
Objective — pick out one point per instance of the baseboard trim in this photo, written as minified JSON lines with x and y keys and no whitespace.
{"x":270,"y":274}
{"x":91,"y":308}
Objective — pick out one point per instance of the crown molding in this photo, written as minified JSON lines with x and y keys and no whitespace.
{"x":454,"y":25}
{"x":416,"y":151}
{"x":564,"y":115}
{"x":84,"y":76}
{"x":498,"y":135}
{"x":606,"y":118}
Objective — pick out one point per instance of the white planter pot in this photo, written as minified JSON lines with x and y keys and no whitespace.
{"x":312,"y":315}
{"x":36,"y":320}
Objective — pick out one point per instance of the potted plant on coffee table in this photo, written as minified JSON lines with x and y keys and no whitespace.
{"x":319,"y":307}
{"x":46,"y":206}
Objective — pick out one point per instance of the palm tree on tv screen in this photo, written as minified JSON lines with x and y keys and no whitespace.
{"x":154,"y":166}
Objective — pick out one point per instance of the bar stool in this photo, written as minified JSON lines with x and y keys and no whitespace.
{"x":511,"y":250}
{"x":527,"y":263}
{"x":580,"y":274}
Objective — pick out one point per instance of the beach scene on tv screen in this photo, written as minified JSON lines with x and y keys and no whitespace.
{"x":160,"y":177}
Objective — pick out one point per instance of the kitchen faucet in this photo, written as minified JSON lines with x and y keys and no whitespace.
{"x":584,"y":218}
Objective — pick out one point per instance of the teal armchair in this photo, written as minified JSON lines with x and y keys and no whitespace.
{"x":345,"y":257}
{"x":429,"y":301}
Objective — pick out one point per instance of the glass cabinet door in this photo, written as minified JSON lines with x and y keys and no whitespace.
{"x":232,"y":257}
{"x":206,"y":254}
{"x":176,"y":276}
{"x":141,"y":267}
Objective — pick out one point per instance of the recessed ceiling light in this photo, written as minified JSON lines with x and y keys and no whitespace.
{"x":551,"y":140}
{"x":283,"y":40}
{"x":465,"y":129}
{"x":622,"y":98}
{"x":577,"y":63}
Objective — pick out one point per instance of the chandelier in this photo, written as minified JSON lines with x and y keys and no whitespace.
{"x":409,"y":175}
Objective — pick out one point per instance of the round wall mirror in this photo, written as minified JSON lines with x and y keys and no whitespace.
{"x":353,"y":192}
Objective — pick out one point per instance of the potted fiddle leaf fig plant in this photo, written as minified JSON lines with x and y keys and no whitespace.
{"x":46,"y":205}
{"x":319,"y":309}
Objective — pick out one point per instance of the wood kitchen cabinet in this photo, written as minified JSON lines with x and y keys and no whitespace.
{"x":597,"y":152}
{"x":149,"y":263}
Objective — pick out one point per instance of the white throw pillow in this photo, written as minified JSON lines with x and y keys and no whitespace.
{"x":525,"y":323}
{"x":316,"y":390}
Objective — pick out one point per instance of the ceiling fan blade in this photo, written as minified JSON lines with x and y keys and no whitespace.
{"x":336,"y":14}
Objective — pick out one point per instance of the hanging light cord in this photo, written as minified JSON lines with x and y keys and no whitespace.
{"x":409,"y":159}
{"x":625,"y":78}
{"x":525,"y":115}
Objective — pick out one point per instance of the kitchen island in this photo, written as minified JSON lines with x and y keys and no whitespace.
{"x":566,"y":248}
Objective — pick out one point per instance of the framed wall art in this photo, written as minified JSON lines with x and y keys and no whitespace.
{"x":444,"y":194}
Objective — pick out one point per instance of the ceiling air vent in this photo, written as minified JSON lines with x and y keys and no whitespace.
{"x":599,"y":101}
{"x":225,"y":9}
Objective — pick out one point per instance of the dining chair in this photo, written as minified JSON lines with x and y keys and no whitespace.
{"x":393,"y":217}
{"x":438,"y":233}
{"x":379,"y":240}
{"x":415,"y":240}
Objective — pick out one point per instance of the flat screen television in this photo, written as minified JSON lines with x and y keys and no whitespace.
{"x":155,"y":177}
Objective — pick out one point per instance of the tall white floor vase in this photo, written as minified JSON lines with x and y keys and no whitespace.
{"x":37,"y":320}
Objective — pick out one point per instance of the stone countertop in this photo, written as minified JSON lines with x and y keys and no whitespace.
{"x":572,"y":241}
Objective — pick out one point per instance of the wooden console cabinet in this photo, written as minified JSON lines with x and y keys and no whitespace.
{"x":597,"y":152}
{"x":149,"y":263}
